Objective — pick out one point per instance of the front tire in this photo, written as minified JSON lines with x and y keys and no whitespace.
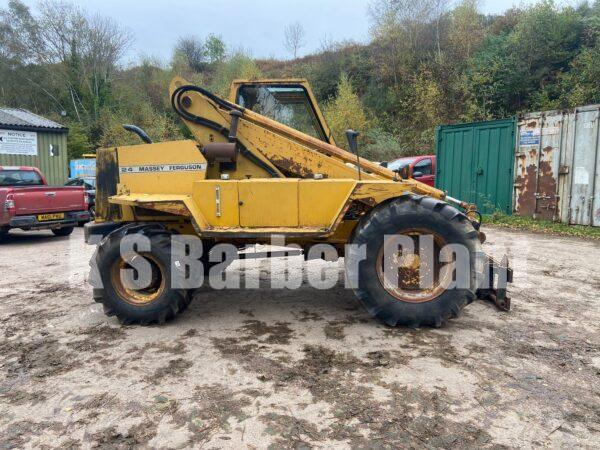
{"x":157,"y":303}
{"x":407,"y":303}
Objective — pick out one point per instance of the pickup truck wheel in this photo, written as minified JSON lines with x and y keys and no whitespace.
{"x":92,"y":211}
{"x":157,"y":302}
{"x":3,"y":235}
{"x":66,"y":231}
{"x":401,"y":299}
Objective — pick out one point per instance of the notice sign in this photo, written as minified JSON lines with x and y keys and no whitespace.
{"x":14,"y":142}
{"x":529,"y":137}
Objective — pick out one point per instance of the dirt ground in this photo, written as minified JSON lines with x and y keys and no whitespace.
{"x":302,"y":368}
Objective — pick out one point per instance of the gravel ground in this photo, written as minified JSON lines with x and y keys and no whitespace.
{"x":299,"y":368}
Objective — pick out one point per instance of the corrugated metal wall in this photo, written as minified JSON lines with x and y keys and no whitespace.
{"x":557,"y":167}
{"x":475,"y":163}
{"x":55,"y":168}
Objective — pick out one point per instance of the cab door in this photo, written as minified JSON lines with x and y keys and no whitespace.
{"x":424,"y":171}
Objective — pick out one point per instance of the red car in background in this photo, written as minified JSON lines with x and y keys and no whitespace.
{"x":28,"y":203}
{"x":421,"y":168}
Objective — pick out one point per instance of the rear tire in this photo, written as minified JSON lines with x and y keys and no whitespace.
{"x":66,"y":231}
{"x":157,"y":306}
{"x":404,"y":306}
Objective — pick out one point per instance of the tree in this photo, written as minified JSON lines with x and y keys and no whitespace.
{"x":495,"y":80}
{"x":346,"y":111}
{"x":238,"y":65}
{"x":546,"y":39}
{"x":294,"y":38}
{"x":214,"y":48}
{"x":17,"y":30}
{"x":23,"y":81}
{"x":580,"y":85}
{"x":466,"y":30}
{"x":406,"y":34}
{"x":83,"y":52}
{"x":62,"y":55}
{"x":383,"y":146}
{"x":428,"y":100}
{"x":192,"y":52}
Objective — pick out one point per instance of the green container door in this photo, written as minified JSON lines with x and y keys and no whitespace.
{"x":475,"y":163}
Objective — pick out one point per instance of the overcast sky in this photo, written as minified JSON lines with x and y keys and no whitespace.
{"x":257,"y":25}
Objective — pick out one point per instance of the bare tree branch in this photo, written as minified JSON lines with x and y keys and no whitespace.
{"x":294,"y":38}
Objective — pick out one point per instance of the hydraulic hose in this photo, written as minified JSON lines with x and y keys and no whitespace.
{"x":223,"y":131}
{"x":180,"y":110}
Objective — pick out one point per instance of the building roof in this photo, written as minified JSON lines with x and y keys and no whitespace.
{"x":21,"y":119}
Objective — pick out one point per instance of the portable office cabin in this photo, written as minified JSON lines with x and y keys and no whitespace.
{"x":27,"y":139}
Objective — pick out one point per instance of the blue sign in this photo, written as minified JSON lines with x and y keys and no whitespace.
{"x":529,"y":137}
{"x":83,"y":168}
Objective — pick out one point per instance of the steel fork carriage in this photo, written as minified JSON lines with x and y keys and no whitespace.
{"x":495,"y":282}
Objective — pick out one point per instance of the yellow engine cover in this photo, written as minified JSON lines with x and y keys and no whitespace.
{"x":163,"y":168}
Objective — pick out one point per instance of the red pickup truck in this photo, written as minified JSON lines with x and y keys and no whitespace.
{"x":421,"y":168}
{"x":28,"y":203}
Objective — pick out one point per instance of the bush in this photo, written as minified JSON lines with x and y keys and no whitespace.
{"x":382,"y":146}
{"x":346,"y":111}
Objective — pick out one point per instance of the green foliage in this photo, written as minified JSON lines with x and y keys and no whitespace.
{"x":346,"y":111}
{"x":196,"y":55}
{"x":189,"y":54}
{"x":467,"y":30}
{"x":237,"y":66}
{"x":158,"y":126}
{"x":429,"y":102}
{"x":542,"y":226}
{"x":214,"y":49}
{"x":382,"y":146}
{"x":581,"y":85}
{"x":546,"y":39}
{"x":523,"y":68}
{"x":78,"y":141}
{"x":494,"y":80}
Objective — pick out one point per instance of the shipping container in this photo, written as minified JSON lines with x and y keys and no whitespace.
{"x":475,"y":163}
{"x":557,"y":166}
{"x":27,"y":139}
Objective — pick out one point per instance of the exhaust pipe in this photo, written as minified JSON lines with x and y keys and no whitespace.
{"x":141,"y":133}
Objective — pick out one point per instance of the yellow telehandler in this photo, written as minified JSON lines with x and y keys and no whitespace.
{"x":264,"y":163}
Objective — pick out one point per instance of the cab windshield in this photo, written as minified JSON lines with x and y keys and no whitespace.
{"x":400,"y":164}
{"x":289,"y":105}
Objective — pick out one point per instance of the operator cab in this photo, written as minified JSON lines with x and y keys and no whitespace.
{"x":290,"y":102}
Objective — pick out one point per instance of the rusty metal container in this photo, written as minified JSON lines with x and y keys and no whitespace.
{"x":557,"y":167}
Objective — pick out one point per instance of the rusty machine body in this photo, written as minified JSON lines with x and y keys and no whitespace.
{"x":264,"y":163}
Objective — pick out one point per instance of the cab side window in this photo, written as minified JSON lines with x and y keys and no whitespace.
{"x":424,"y":166}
